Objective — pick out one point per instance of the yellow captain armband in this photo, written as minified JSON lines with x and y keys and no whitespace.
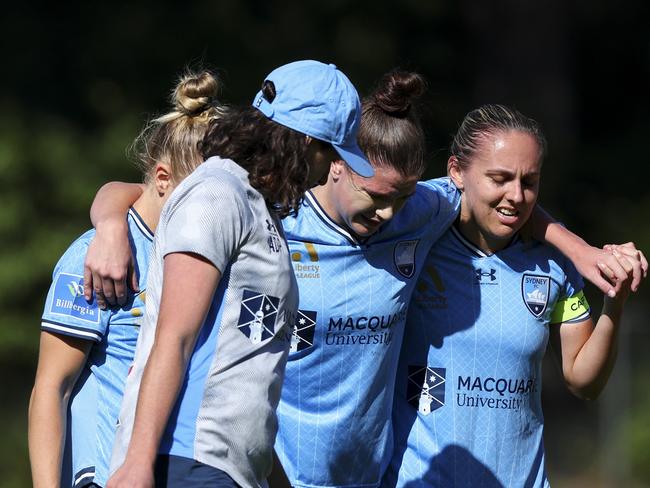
{"x":571,"y":308}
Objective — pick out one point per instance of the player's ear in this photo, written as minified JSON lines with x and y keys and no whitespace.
{"x":337,"y":168}
{"x":455,"y":172}
{"x":163,"y":178}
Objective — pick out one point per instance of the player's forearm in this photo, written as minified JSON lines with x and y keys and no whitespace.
{"x":112,"y":202}
{"x":161,"y":382}
{"x":189,"y":283}
{"x":546,"y":229}
{"x":595,"y":361}
{"x":46,"y":427}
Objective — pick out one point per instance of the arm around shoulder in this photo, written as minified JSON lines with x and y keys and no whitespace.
{"x":109,"y":261}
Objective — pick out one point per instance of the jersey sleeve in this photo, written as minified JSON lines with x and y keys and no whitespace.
{"x":210,"y":218}
{"x":572,"y":307}
{"x":66,"y":310}
{"x":445,"y":199}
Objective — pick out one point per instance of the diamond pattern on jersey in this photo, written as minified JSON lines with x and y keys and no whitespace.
{"x":258,"y":315}
{"x":491,"y":343}
{"x":303,"y":331}
{"x":335,"y":427}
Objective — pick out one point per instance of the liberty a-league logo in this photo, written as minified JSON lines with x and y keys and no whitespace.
{"x":303,"y":332}
{"x":258,"y":315}
{"x":534,"y":291}
{"x":404,"y":257}
{"x":425,"y":390}
{"x":68,"y":299}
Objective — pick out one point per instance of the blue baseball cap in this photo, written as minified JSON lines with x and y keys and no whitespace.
{"x":318,"y":100}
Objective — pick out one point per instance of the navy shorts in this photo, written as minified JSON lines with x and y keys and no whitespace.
{"x":181,"y":472}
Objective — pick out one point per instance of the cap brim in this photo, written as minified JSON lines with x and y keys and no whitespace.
{"x":356,"y":160}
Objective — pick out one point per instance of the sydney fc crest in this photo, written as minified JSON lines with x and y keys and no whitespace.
{"x":404,"y":256}
{"x":426,"y":388}
{"x":258,"y":315}
{"x":534,"y":291}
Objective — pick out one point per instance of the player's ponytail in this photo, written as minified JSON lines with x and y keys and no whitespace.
{"x":173,"y":138}
{"x":390,"y":132}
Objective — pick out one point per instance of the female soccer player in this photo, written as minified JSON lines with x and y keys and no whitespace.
{"x":85,"y":352}
{"x":467,"y":400}
{"x":357,"y":246}
{"x":199,"y":404}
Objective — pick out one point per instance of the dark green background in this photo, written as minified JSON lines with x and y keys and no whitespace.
{"x":79,"y":80}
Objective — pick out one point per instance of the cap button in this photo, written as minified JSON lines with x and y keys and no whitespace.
{"x":332,"y":65}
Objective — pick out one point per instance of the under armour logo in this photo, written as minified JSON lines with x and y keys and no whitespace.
{"x":480,"y":274}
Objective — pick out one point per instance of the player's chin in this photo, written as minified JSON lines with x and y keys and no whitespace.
{"x":365,"y":229}
{"x":505,"y":233}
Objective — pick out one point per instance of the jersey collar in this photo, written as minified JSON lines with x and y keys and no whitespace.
{"x":139,"y":223}
{"x":313,"y":203}
{"x":473,"y":248}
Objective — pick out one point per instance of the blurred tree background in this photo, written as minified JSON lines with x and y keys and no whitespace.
{"x":80,"y":79}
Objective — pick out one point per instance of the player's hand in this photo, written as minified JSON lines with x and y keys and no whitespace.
{"x":109,"y":265}
{"x":635,"y":257}
{"x":132,"y":476}
{"x":601,"y":268}
{"x":631,"y":263}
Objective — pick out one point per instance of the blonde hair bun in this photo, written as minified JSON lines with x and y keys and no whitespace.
{"x":173,"y":138}
{"x":195,"y":92}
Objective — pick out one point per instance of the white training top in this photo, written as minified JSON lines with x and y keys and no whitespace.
{"x":225,"y":412}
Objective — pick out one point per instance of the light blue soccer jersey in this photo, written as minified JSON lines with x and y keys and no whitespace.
{"x":467,"y":406}
{"x":334,"y":414}
{"x":95,"y":401}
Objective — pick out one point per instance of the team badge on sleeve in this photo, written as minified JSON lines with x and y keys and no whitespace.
{"x":303,"y":331}
{"x":68,"y":299}
{"x":258,"y":315}
{"x":426,"y":388}
{"x":404,"y":255}
{"x":534,"y":291}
